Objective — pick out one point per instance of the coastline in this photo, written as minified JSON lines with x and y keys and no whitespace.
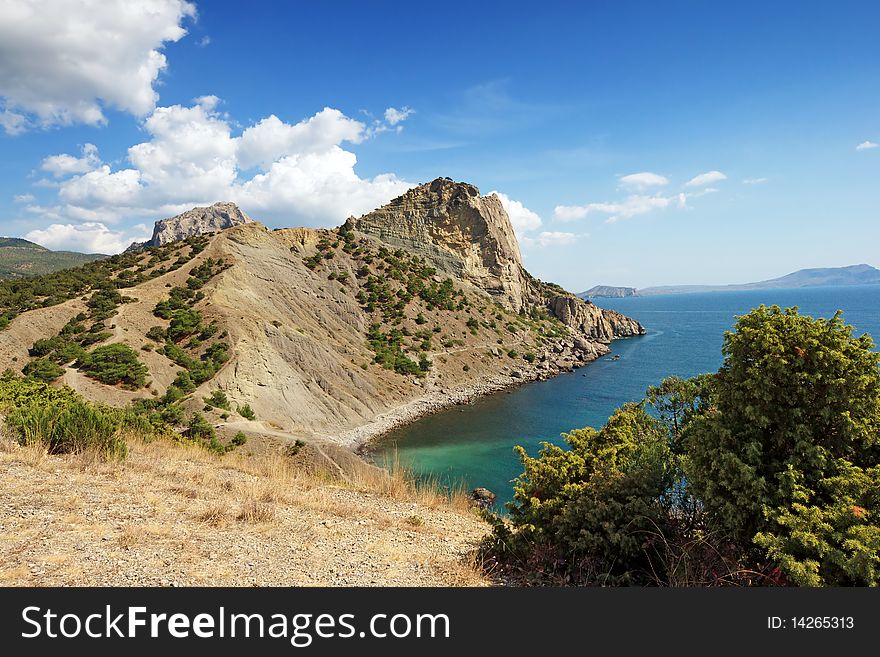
{"x":361,"y":438}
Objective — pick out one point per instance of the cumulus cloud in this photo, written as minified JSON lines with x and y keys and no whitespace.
{"x":754,"y":181}
{"x":89,"y":237}
{"x":706,"y":179}
{"x":643,"y":180}
{"x":62,"y":62}
{"x":64,"y":164}
{"x":867,"y":145}
{"x":23,"y":198}
{"x":193,"y":158}
{"x":393,"y":116}
{"x":522,"y":219}
{"x":546,"y":239}
{"x":271,"y":138}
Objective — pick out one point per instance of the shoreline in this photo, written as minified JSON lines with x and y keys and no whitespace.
{"x":360,"y":439}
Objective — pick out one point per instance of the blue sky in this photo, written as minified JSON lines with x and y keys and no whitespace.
{"x":635,"y":143}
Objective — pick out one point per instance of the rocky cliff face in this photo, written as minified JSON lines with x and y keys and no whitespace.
{"x":459,"y":231}
{"x":470,"y":237}
{"x":197,"y":221}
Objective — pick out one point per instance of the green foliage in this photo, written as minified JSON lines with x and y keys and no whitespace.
{"x":238,"y":439}
{"x":247,"y":412}
{"x":591,"y":512}
{"x":63,"y":422}
{"x":791,"y":442}
{"x":766,"y":472}
{"x":529,"y":356}
{"x":42,"y":369}
{"x":114,"y":364}
{"x":157,"y":334}
{"x":184,"y":322}
{"x":389,"y":352}
{"x":218,"y":399}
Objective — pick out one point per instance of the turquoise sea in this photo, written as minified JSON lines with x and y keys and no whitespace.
{"x":472,"y":445}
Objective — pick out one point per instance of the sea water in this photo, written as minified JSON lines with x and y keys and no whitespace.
{"x":471,"y":445}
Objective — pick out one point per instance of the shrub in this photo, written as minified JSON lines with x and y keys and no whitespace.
{"x":60,"y":420}
{"x":238,"y":439}
{"x":786,"y":459}
{"x":218,"y":399}
{"x":247,"y":412}
{"x":588,"y":513}
{"x":113,"y":364}
{"x":529,"y":356}
{"x":42,"y":369}
{"x":157,"y":334}
{"x":199,"y":428}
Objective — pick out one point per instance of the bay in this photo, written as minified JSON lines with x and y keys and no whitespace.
{"x":472,"y":445}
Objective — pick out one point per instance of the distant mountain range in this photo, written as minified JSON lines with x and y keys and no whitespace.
{"x":818,"y":277}
{"x":20,"y":258}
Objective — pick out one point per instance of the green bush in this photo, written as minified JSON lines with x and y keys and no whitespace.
{"x":767,"y":472}
{"x":113,"y":364}
{"x":60,"y":420}
{"x":42,"y":369}
{"x":786,"y":460}
{"x":247,"y":412}
{"x":218,"y":399}
{"x":591,"y":513}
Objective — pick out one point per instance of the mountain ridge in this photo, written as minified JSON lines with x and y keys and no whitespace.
{"x":20,"y":257}
{"x":861,"y":274}
{"x":329,"y":335}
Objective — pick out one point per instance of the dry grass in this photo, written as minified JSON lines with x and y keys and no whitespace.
{"x":175,"y":512}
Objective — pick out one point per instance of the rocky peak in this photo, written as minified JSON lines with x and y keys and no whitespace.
{"x":470,"y":237}
{"x":458,"y":231}
{"x":196,"y":221}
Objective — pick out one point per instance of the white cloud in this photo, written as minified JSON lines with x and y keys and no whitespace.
{"x":867,"y":145}
{"x":89,"y":237}
{"x":754,"y":181}
{"x":643,"y":180}
{"x":521,"y":217}
{"x":393,"y":116}
{"x":630,"y":207}
{"x":705,"y":179}
{"x":65,"y":165}
{"x":23,"y":198}
{"x":192,"y":158}
{"x":271,"y":138}
{"x":62,"y":62}
{"x":550,"y":238}
{"x":204,"y":41}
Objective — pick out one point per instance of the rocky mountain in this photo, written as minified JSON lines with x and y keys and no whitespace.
{"x":608,"y":292}
{"x":470,"y":236}
{"x":19,"y":257}
{"x":326,"y":335}
{"x":198,"y":221}
{"x":816,"y":277}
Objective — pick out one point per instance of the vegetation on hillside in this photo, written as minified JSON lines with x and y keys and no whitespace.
{"x":766,"y":472}
{"x":63,"y":422}
{"x":400,"y":291}
{"x":19,"y":258}
{"x":119,"y":271}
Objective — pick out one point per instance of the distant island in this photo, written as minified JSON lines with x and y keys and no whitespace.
{"x":817,"y":277}
{"x":20,"y":257}
{"x":608,"y":291}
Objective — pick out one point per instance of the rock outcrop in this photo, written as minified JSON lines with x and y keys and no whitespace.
{"x":462,"y":233}
{"x":470,"y":236}
{"x":197,"y":221}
